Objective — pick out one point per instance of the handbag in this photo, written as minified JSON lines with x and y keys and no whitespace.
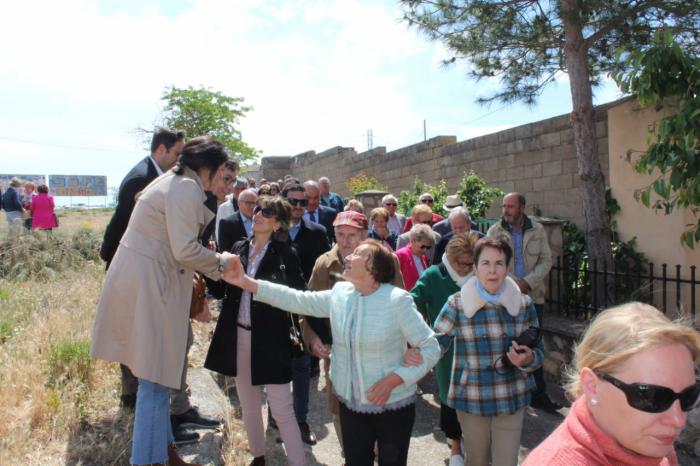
{"x":295,"y":339}
{"x":199,"y":307}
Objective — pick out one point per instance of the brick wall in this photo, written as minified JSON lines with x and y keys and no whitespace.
{"x":537,"y":159}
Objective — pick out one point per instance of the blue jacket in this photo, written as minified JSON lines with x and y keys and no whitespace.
{"x":386,"y":321}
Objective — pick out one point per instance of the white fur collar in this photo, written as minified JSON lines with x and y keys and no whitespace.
{"x":457,"y":278}
{"x":472,"y":301}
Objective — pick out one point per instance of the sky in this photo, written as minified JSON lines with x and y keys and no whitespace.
{"x":79,"y":78}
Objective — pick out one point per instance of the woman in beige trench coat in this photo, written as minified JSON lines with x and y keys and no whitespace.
{"x":143,"y":313}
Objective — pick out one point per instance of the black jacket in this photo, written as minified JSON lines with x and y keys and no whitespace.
{"x":231,"y":230}
{"x":135,"y":181}
{"x":271,"y":350}
{"x":310,"y":243}
{"x":326,"y":216}
{"x":9,"y":201}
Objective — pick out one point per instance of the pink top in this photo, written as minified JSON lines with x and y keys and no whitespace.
{"x":42,"y":212}
{"x":578,"y":441}
{"x":409,"y":272}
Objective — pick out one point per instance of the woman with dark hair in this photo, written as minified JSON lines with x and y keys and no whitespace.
{"x":491,"y":373}
{"x":372,"y":322}
{"x":252,"y":339}
{"x":143,"y":315}
{"x":42,"y":208}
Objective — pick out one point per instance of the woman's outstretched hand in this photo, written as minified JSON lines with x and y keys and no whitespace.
{"x":235,"y":275}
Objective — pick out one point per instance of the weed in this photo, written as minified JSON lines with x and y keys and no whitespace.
{"x":70,"y":360}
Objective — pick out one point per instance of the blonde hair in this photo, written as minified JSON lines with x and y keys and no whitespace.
{"x":461,"y":244}
{"x":420,"y":209}
{"x":379,"y":212}
{"x":618,"y":333}
{"x":354,"y":204}
{"x":421,"y":232}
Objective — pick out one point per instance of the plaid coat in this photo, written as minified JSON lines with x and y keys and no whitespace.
{"x":481,"y":337}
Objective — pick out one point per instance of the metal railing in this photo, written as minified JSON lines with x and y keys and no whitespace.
{"x":574,"y":288}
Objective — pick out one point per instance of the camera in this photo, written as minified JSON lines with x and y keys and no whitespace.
{"x":530,"y":338}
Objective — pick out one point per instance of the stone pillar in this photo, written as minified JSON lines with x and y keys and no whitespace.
{"x":370,"y":199}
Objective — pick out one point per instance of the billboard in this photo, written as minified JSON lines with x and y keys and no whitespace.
{"x":36,"y":179}
{"x":78,"y":185}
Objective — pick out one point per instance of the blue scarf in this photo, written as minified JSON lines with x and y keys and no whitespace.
{"x":490,"y":298}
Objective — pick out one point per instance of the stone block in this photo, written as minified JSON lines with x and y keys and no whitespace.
{"x":562,"y":181}
{"x":523,"y":132}
{"x":601,"y":128}
{"x":523,"y":185}
{"x":552,"y":168}
{"x":550,"y":139}
{"x":569,"y":166}
{"x":541,"y":184}
{"x":533,"y":171}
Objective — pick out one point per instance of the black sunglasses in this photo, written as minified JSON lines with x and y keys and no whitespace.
{"x":296,"y":202}
{"x":393,"y":204}
{"x":654,"y":398}
{"x":424,"y":247}
{"x":427,"y":201}
{"x":267,"y":212}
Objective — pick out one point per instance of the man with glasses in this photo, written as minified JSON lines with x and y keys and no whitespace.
{"x":239,"y":225}
{"x":310,"y":241}
{"x":396,"y":221}
{"x":428,"y":200}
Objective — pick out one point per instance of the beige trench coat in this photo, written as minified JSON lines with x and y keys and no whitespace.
{"x":143,"y":313}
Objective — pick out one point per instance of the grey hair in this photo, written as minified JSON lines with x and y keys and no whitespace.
{"x":457,"y":211}
{"x":389,"y":197}
{"x":241,"y":183}
{"x":422,"y":232}
{"x":312,"y":183}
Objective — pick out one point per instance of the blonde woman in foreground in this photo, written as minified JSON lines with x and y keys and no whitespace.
{"x":634,"y":382}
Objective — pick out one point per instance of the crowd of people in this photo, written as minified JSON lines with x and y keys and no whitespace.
{"x":29,"y":207}
{"x":304,"y":276}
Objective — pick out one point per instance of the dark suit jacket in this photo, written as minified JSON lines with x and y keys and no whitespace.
{"x":271,"y":351}
{"x":442,"y":245}
{"x":135,"y":181}
{"x":310,"y":243}
{"x":326,"y":215}
{"x":231,"y":230}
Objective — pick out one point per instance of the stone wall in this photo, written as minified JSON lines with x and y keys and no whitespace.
{"x":537,"y":159}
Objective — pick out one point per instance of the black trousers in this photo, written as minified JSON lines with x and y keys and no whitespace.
{"x":449,"y":423}
{"x":391,"y":430}
{"x":541,"y":388}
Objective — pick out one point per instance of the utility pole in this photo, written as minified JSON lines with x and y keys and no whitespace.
{"x":425,"y":132}
{"x":370,"y":142}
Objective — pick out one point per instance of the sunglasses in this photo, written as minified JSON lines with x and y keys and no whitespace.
{"x":427,"y":222}
{"x":267,"y":212}
{"x":654,"y":398}
{"x":296,"y":202}
{"x":427,"y":201}
{"x":264,"y":193}
{"x":392,"y":204}
{"x":423,"y":247}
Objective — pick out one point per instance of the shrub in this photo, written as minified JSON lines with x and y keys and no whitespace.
{"x":477,"y":194}
{"x":362,"y":182}
{"x":69,"y":360}
{"x":408,"y":199}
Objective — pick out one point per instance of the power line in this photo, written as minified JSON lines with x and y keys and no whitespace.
{"x":63,"y":146}
{"x":480,"y":117}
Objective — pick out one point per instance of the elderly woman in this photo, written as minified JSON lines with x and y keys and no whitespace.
{"x":430,"y":294}
{"x":634,"y":383}
{"x":413,"y":257}
{"x":380,"y":230}
{"x":264,"y":190}
{"x":355,"y":205}
{"x":42,"y":208}
{"x":12,"y":205}
{"x":492,"y":374}
{"x":372,"y":322}
{"x":251,"y":340}
{"x":26,"y":198}
{"x":143,"y":315}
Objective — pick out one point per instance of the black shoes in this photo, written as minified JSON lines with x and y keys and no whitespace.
{"x":543,"y":402}
{"x":258,"y":461}
{"x":192,"y":417}
{"x":307,"y":435}
{"x":182,"y":435}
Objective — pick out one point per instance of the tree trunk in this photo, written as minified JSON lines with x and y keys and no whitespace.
{"x":597,"y":229}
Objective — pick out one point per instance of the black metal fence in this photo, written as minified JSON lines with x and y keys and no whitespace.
{"x":575,"y":288}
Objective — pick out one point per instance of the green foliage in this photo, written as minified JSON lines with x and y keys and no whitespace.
{"x":409,"y":199}
{"x":7,"y":327}
{"x":665,"y":75}
{"x":41,"y":257}
{"x":362,"y":182}
{"x":203,"y":111}
{"x":69,"y":361}
{"x":477,"y":194}
{"x":524,"y":43}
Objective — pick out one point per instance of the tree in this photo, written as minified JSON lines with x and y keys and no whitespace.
{"x":204,"y":111}
{"x":664,"y":75}
{"x":528,"y":43}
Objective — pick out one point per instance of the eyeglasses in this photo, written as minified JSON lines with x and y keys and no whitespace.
{"x":654,"y":398}
{"x":423,"y":247}
{"x":392,"y":204}
{"x":296,"y":202}
{"x":427,"y":222}
{"x":465,"y":265}
{"x":264,"y":193}
{"x":426,"y":201}
{"x":267,"y":212}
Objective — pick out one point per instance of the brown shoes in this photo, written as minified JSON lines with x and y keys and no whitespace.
{"x":174,"y":457}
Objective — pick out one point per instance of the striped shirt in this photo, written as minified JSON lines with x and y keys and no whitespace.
{"x":480,"y":385}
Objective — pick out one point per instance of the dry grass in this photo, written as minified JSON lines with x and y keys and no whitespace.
{"x":65,"y":409}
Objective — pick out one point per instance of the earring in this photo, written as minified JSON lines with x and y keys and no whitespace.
{"x":594,"y":401}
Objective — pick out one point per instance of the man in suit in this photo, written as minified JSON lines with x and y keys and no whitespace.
{"x":443,"y":226}
{"x":317,"y":213}
{"x":460,"y":222}
{"x":239,"y":225}
{"x":310,"y":241}
{"x":166,"y":146}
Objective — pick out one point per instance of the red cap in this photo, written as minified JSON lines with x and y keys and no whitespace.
{"x":351,"y":219}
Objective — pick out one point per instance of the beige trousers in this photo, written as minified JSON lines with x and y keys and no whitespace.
{"x":279,"y":397}
{"x":497,"y":435}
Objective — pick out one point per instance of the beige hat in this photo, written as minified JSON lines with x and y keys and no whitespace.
{"x":452,"y":201}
